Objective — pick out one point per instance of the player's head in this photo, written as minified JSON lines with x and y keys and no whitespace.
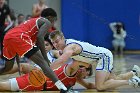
{"x":57,"y":39}
{"x":48,"y":43}
{"x":85,"y":72}
{"x":50,"y":14}
{"x":20,"y":18}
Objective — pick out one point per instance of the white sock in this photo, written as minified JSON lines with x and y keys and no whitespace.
{"x":60,"y":85}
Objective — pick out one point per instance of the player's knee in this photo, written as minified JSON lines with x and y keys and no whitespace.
{"x":100,"y":87}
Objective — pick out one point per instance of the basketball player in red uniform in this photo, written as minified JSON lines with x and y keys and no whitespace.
{"x":66,"y":73}
{"x":27,"y":40}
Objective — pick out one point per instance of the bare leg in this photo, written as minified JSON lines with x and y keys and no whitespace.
{"x":121,"y":51}
{"x":125,"y":76}
{"x":5,"y":86}
{"x":116,"y":50}
{"x":39,"y":60}
{"x":24,"y":68}
{"x":103,"y":82}
{"x":8,"y":67}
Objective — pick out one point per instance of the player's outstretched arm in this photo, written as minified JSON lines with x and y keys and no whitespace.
{"x":85,"y":84}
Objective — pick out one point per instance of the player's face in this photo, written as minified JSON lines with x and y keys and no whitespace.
{"x":48,"y":46}
{"x":20,"y":19}
{"x":58,"y":42}
{"x":83,"y":73}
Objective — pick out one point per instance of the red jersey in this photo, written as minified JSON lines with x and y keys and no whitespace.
{"x":24,"y":84}
{"x":20,"y":39}
{"x":27,"y":29}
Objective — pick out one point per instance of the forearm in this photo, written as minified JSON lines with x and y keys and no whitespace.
{"x":56,"y":64}
{"x":61,"y":60}
{"x":41,"y":45}
{"x":91,"y":86}
{"x":86,"y":84}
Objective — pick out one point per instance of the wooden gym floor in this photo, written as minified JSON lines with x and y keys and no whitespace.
{"x":121,"y":65}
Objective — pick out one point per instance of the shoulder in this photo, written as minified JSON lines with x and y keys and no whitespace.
{"x":41,"y":21}
{"x":72,"y":49}
{"x":71,"y":41}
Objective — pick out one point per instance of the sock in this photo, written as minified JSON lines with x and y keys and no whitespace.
{"x":60,"y":85}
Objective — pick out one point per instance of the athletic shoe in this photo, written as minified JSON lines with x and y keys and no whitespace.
{"x":136,"y":70}
{"x":134,"y":81}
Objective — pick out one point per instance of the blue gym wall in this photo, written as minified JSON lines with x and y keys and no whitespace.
{"x":88,"y":20}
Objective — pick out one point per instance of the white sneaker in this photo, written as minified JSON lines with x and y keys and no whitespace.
{"x":136,"y":70}
{"x":134,"y":81}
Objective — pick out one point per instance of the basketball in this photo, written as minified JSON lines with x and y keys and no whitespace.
{"x":37,"y":78}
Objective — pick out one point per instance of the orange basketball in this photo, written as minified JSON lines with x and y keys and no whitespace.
{"x":37,"y":78}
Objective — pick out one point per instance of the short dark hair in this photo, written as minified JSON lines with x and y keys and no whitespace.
{"x":46,"y":38}
{"x":48,"y":12}
{"x":20,"y":15}
{"x":88,"y":69}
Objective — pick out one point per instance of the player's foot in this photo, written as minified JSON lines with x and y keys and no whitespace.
{"x":134,"y":81}
{"x":136,"y":70}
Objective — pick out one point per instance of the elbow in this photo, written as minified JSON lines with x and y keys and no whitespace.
{"x":100,"y":89}
{"x":91,"y":86}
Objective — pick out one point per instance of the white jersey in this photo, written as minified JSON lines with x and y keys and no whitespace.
{"x":51,"y":56}
{"x":91,"y":53}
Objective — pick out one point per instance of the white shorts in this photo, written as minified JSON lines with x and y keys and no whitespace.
{"x":106,"y":63}
{"x":14,"y":84}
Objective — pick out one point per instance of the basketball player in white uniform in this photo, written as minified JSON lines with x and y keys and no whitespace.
{"x":85,"y":52}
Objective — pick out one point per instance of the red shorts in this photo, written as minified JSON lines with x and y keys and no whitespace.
{"x":19,"y":44}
